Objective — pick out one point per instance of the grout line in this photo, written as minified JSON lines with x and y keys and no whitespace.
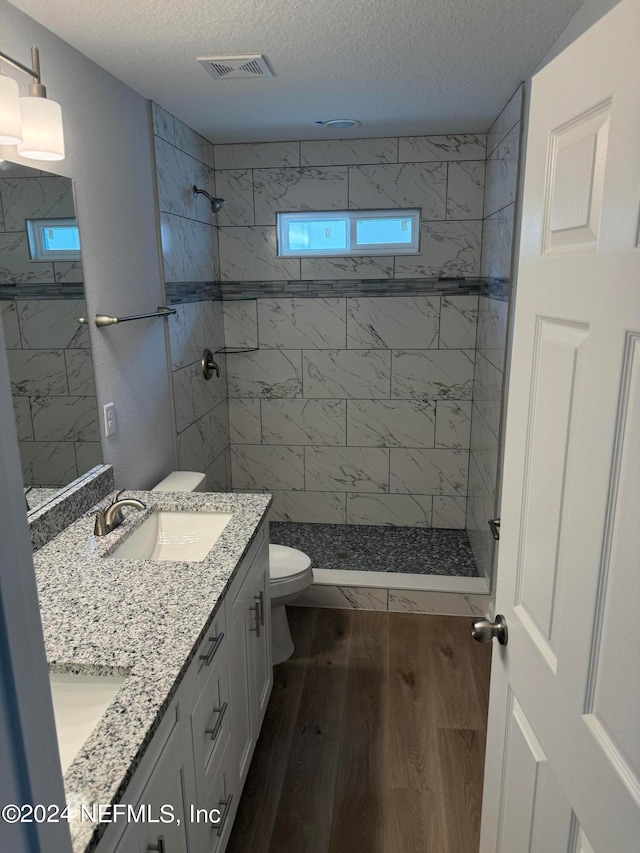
{"x":499,"y":143}
{"x":253,"y":198}
{"x":446,"y":195}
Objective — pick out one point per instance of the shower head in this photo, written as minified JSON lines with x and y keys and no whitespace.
{"x":216,"y":203}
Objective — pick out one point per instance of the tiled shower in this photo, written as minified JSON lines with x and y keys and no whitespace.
{"x":50,"y":363}
{"x":362,"y":392}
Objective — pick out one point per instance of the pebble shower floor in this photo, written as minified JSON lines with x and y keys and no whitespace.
{"x":377,"y":548}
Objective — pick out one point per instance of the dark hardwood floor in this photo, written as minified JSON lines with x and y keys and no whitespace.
{"x":373,"y":741}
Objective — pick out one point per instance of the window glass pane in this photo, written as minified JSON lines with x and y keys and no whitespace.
{"x":317,"y":235}
{"x":61,"y":238}
{"x":381,"y":231}
{"x":344,"y":233}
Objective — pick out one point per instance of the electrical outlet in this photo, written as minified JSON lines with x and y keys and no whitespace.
{"x":109,"y":414}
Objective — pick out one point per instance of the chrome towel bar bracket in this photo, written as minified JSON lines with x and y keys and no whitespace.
{"x":105,"y":320}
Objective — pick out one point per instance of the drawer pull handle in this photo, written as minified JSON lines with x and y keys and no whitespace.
{"x":159,"y":847}
{"x":225,"y":812}
{"x":215,"y":731}
{"x":261,"y":607}
{"x":256,"y":611}
{"x":214,"y":648}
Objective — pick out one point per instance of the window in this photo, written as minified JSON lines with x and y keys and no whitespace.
{"x":334,"y":233}
{"x":53,"y":239}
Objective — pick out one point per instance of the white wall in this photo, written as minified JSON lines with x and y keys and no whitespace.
{"x":109,"y":157}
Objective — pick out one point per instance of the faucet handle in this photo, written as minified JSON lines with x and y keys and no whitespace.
{"x":100,"y":527}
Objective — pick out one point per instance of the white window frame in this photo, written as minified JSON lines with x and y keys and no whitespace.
{"x":37,"y":250}
{"x":352,"y":217}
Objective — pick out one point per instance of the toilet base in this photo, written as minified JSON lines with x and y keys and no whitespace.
{"x":281,"y":642}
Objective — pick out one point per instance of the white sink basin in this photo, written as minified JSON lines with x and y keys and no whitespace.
{"x":176,"y":536}
{"x":78,"y":703}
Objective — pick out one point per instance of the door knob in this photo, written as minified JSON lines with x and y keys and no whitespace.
{"x":484,"y":631}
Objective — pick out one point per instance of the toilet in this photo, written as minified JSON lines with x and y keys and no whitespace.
{"x":290,"y":572}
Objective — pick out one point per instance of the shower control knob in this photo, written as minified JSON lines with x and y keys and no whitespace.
{"x":484,"y":631}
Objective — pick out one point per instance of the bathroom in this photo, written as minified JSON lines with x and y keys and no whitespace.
{"x":364,"y":394}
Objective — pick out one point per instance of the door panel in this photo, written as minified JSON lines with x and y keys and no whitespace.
{"x":614,"y":698}
{"x":556,"y":357}
{"x":578,"y":152}
{"x":525,"y":757}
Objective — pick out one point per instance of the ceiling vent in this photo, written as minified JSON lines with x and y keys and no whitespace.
{"x":228,"y":67}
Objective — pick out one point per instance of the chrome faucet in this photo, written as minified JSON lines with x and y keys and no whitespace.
{"x":107,"y":520}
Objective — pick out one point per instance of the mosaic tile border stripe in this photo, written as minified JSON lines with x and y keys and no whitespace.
{"x":496,"y":288}
{"x":359,"y":287}
{"x":178,"y":292}
{"x":44,"y":290}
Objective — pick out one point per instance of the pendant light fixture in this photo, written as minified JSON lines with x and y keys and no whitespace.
{"x":33,"y":123}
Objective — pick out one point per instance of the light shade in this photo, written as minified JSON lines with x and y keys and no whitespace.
{"x":42,"y":134}
{"x":10,"y":115}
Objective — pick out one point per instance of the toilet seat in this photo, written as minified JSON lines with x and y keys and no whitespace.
{"x":285,"y":563}
{"x":290,"y":571}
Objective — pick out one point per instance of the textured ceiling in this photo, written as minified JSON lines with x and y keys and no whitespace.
{"x":399,"y":66}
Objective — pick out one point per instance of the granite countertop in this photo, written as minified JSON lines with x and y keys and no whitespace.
{"x":36,"y":496}
{"x":138,"y":618}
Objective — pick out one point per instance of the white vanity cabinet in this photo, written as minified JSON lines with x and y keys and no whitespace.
{"x":199,"y":757}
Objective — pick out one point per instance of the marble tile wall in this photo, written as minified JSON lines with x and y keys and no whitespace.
{"x":31,"y":195}
{"x":189,"y":242}
{"x":52,"y":384}
{"x":50,"y":365}
{"x":399,"y":600}
{"x":503,"y":142}
{"x":353,"y":409}
{"x":443,"y":175}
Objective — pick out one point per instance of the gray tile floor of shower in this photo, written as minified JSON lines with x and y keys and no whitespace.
{"x":362,"y":547}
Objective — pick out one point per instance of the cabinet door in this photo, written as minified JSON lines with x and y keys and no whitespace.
{"x":130,"y":841}
{"x":241,"y":690}
{"x":262,"y":657}
{"x":165,"y":788}
{"x":250,"y":658}
{"x":220,"y":804}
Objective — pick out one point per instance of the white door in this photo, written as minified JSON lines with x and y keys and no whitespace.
{"x":563,"y":747}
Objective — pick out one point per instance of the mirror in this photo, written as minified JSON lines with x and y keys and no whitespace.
{"x":41,"y":299}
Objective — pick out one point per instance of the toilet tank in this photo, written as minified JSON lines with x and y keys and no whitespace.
{"x":182,"y":481}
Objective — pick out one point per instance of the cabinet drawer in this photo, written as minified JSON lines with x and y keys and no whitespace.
{"x":205,"y":836}
{"x":211,"y":726}
{"x":212,"y":649}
